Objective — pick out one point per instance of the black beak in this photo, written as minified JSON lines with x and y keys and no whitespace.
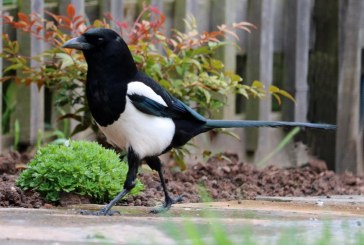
{"x":79,"y":43}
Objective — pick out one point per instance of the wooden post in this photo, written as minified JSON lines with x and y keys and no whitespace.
{"x":259,"y":67}
{"x":1,"y":85}
{"x":199,"y":9}
{"x":30,"y":100}
{"x":296,"y":58}
{"x":241,"y":12}
{"x":80,"y":10}
{"x":180,"y":13}
{"x":224,"y":14}
{"x":168,"y":9}
{"x":115,"y":8}
{"x":323,"y":79}
{"x":37,"y":94}
{"x":348,"y":138}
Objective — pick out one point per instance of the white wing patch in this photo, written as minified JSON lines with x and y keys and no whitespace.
{"x":142,"y":89}
{"x":148,"y":135}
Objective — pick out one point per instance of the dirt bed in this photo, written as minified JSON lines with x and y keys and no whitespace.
{"x":219,"y":179}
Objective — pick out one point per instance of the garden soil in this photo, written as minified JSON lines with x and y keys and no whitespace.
{"x":215,"y":180}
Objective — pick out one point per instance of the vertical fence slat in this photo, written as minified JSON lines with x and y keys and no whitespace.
{"x":37,"y":94}
{"x":296,"y":58}
{"x":348,"y":148}
{"x":259,"y":67}
{"x":323,"y":78}
{"x":1,"y":85}
{"x":80,"y":10}
{"x":224,"y":14}
{"x":201,"y":10}
{"x":241,"y":12}
{"x":115,"y":8}
{"x":182,"y":9}
{"x":168,"y":9}
{"x":30,"y":101}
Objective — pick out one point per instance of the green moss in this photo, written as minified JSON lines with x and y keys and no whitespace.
{"x":80,"y":167}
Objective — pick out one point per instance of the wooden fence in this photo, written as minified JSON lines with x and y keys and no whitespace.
{"x":312,"y":48}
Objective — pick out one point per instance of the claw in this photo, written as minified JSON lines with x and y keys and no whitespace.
{"x":167,"y":205}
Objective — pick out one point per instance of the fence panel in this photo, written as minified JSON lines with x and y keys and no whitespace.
{"x":349,"y":155}
{"x":296,"y":58}
{"x":319,"y":69}
{"x":29,"y":108}
{"x":1,"y":74}
{"x":259,"y":67}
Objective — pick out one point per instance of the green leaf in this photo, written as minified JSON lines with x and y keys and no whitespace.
{"x":277,"y":98}
{"x":65,"y":59}
{"x":207,"y":95}
{"x":216,"y":64}
{"x":13,"y":67}
{"x":287,"y":95}
{"x":257,"y":84}
{"x":138,"y":58}
{"x":180,"y":70}
{"x":201,"y":50}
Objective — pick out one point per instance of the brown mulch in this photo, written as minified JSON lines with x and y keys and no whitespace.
{"x":220,"y":179}
{"x":10,"y":194}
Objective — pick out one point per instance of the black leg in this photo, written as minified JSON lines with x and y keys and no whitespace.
{"x":133,"y":162}
{"x":155,"y":164}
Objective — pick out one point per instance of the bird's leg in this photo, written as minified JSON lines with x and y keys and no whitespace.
{"x":133,"y":162}
{"x":155,"y":164}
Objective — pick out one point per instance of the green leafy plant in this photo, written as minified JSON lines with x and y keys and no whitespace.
{"x":80,"y":167}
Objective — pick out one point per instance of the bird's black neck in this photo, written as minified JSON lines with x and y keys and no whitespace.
{"x":109,"y":72}
{"x":110,"y":64}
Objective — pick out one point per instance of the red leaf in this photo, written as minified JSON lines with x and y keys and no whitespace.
{"x":77,"y":18}
{"x":32,"y":22}
{"x":154,"y":10}
{"x":39,"y":28}
{"x":66,"y":20}
{"x":55,"y":17}
{"x":71,"y":11}
{"x":108,"y":16}
{"x":23,"y":17}
{"x":20,"y":24}
{"x":77,"y":25}
{"x":122,"y":25}
{"x":8,"y":19}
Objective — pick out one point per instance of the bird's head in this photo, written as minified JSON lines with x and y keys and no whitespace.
{"x":104,"y":49}
{"x":95,"y":39}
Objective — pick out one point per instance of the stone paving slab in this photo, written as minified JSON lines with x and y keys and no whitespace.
{"x":344,"y":199}
{"x":264,"y":220}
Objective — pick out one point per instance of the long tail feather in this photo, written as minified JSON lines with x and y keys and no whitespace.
{"x":273,"y":124}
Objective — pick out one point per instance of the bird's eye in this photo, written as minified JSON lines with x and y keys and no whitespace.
{"x":100,"y":39}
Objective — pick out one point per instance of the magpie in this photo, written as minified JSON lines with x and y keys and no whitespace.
{"x":137,"y":114}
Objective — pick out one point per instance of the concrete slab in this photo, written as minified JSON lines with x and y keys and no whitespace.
{"x":263,"y":221}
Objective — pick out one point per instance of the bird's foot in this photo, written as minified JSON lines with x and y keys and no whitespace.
{"x":167,"y":205}
{"x":101,"y":212}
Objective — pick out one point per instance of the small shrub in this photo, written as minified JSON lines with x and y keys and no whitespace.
{"x":80,"y":167}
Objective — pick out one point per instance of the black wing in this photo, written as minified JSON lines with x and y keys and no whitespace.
{"x":175,"y":108}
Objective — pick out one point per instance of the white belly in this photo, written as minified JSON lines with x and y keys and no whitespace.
{"x":147,"y":135}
